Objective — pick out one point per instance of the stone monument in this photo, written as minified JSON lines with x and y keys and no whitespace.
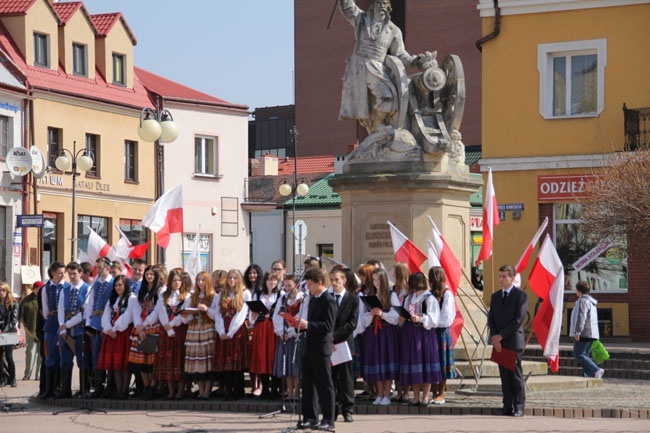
{"x":412,"y":164}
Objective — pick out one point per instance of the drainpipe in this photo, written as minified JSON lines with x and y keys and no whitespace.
{"x":497,"y":27}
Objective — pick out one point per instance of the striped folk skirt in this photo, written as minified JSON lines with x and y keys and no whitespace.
{"x":445,"y":348}
{"x":199,"y":349}
{"x":420,"y":360}
{"x":114,"y":354}
{"x":168,"y":364}
{"x":140,"y":362}
{"x":381,"y":353}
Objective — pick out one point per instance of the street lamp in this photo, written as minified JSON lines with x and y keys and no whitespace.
{"x":158,"y":126}
{"x":82,"y":160}
{"x":300,"y":189}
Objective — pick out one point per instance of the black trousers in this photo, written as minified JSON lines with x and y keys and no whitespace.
{"x":513,"y":387}
{"x":343,"y":376}
{"x":317,"y":387}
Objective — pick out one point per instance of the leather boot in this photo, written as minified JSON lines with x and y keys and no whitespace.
{"x":98,"y":383}
{"x":49,"y":383}
{"x":66,"y":385}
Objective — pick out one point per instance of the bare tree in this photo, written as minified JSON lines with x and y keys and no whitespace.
{"x":617,"y":202}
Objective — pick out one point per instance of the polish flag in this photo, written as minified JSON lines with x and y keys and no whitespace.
{"x":405,"y":250}
{"x":97,"y":247}
{"x":166,"y":215}
{"x":439,"y":251}
{"x":126,"y":250}
{"x":490,"y":219}
{"x":522,"y":264}
{"x":432,"y":255}
{"x":547,"y":281}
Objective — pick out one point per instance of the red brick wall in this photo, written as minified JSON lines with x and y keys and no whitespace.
{"x":449,"y":26}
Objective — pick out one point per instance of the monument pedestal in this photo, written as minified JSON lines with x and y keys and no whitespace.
{"x":404,"y":193}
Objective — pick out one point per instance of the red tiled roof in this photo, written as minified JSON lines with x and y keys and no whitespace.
{"x":105,"y":22}
{"x":57,"y":81}
{"x":307,"y":165}
{"x":65,"y":10}
{"x":15,"y":7}
{"x":171,"y":90}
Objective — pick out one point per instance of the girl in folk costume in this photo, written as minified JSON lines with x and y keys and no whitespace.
{"x":285,"y":365}
{"x":447,"y":303}
{"x":401,"y":288}
{"x":381,"y":344}
{"x":168,"y":364}
{"x":365,"y":275}
{"x":264,"y":338}
{"x":253,"y":283}
{"x":232,"y":355}
{"x":145,"y":322}
{"x":420,"y":364}
{"x":117,"y":328}
{"x":201,"y":335}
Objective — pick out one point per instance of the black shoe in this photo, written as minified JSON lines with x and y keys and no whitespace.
{"x":325,"y":426}
{"x":347,"y":417}
{"x":518,"y":413}
{"x":309,"y":423}
{"x":13,"y":383}
{"x":504,"y":412}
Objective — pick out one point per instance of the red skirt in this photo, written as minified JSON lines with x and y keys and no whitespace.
{"x":170,"y":357}
{"x":263,"y":348}
{"x":233,"y":354}
{"x":114,"y":354}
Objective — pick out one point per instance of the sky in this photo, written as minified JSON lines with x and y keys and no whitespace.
{"x":237,"y":50}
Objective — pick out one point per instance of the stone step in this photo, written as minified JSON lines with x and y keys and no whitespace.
{"x":533,"y":384}
{"x":612,"y":363}
{"x":491,"y":369}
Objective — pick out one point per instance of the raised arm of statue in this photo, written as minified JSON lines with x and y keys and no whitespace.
{"x":350,"y":10}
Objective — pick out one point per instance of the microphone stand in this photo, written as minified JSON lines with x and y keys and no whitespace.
{"x":84,"y":399}
{"x":283,"y":408}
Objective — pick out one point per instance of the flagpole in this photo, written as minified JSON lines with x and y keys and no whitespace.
{"x":183,"y":250}
{"x":469,"y":357}
{"x":470,"y":316}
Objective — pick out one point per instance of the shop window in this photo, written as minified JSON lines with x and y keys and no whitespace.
{"x":98,"y":224}
{"x":204,"y":249}
{"x":572,"y":78}
{"x":134,"y":232}
{"x":601,"y":263}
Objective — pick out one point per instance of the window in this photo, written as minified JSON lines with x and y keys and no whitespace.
{"x":204,"y":249}
{"x":130,"y":161}
{"x":53,"y":146}
{"x":92,"y":145}
{"x":98,"y":224}
{"x":5,"y":136}
{"x":135,"y":233}
{"x":79,"y":60}
{"x":572,"y":78}
{"x":205,"y":156}
{"x":119,"y":69}
{"x":607,"y":272}
{"x":41,"y":50}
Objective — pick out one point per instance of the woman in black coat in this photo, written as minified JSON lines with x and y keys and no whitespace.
{"x":8,"y":325}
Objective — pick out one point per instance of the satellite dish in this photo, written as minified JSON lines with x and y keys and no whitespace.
{"x":19,"y":161}
{"x":38,"y":162}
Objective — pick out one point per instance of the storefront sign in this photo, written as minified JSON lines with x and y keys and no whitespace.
{"x":89,"y":185}
{"x":476,"y":223}
{"x":19,"y":161}
{"x":558,"y":188}
{"x":30,"y":221}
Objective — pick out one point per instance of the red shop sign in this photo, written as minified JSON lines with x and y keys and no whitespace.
{"x":563,"y":187}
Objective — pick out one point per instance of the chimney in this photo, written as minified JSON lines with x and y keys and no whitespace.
{"x":268,"y":165}
{"x":338,"y":164}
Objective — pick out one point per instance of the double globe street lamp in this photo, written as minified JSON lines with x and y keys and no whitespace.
{"x":81,"y":160}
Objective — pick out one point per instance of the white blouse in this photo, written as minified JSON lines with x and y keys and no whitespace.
{"x":448,"y":310}
{"x":390,"y":316}
{"x":124,"y":320}
{"x":414,"y":304}
{"x":237,"y":320}
{"x":278,"y":321}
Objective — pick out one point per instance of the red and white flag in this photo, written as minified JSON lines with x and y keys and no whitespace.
{"x":453,"y":271}
{"x":546,"y":280}
{"x":97,"y":247}
{"x":166,"y":215}
{"x":126,"y":250}
{"x":405,"y":250}
{"x":522,"y":264}
{"x":194,"y":260}
{"x":432,"y":255}
{"x":490,"y":219}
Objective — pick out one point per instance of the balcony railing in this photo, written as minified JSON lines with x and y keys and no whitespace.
{"x":637,"y":128}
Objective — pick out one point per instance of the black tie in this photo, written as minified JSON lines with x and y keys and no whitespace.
{"x":338,"y":299}
{"x":505,"y":296}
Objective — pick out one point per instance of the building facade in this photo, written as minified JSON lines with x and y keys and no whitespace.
{"x":554,"y":85}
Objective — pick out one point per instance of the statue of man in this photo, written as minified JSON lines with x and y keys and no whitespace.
{"x":369,"y":93}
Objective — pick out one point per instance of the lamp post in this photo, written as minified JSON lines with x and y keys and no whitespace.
{"x":158,"y":126}
{"x":82,"y":160}
{"x":300,"y":189}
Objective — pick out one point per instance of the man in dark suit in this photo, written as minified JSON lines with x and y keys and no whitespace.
{"x":508,"y":309}
{"x":346,"y":321}
{"x":317,"y":385}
